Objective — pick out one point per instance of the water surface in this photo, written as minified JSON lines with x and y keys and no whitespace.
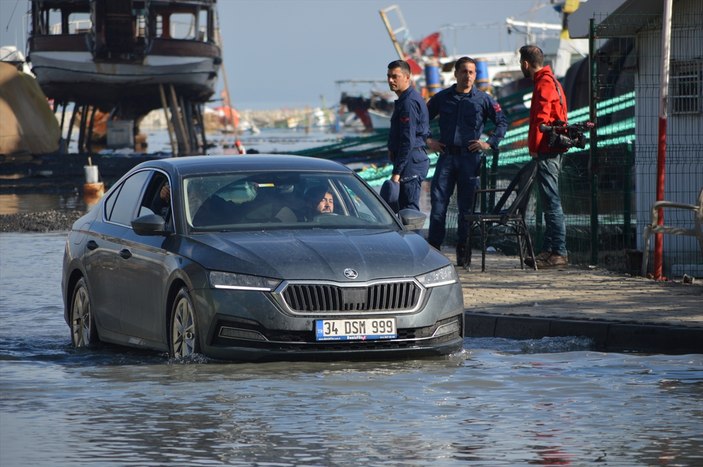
{"x":498,"y":402}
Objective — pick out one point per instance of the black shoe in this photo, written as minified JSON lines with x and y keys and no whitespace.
{"x":460,"y":251}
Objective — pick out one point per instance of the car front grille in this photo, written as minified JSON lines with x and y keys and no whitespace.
{"x":332,"y":298}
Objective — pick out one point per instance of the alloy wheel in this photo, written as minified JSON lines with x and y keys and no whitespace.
{"x":183,"y":330}
{"x":83,"y":333}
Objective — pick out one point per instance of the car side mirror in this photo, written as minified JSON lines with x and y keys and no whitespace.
{"x":412,"y":219}
{"x":149,"y":224}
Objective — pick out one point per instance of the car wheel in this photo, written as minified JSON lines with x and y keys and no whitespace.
{"x":83,"y":331}
{"x":183,"y":340}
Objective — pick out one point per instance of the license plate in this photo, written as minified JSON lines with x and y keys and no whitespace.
{"x":355,"y":329}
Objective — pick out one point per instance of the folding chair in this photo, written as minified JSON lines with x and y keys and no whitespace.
{"x":654,"y":228}
{"x":509,"y":211}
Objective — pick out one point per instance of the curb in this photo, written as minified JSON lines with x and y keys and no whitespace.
{"x":607,"y":336}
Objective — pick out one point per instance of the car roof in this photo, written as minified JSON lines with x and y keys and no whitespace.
{"x":188,"y":165}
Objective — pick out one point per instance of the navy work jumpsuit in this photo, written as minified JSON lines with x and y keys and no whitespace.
{"x":410,"y":127}
{"x":461,"y":120}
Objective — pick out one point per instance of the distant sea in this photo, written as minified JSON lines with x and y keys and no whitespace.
{"x":279,"y":140}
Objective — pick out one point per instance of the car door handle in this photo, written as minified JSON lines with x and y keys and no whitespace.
{"x":126,"y":254}
{"x":92,"y":244}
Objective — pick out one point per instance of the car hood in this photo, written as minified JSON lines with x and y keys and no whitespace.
{"x":317,"y":254}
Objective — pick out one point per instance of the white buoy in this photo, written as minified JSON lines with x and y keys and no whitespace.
{"x":93,"y":188}
{"x":91,"y":174}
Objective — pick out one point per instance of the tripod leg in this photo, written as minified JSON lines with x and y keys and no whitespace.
{"x":530,"y":248}
{"x":483,"y":246}
{"x":520,"y":244}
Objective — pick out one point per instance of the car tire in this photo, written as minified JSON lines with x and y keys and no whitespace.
{"x":183,"y":335}
{"x":83,"y":330}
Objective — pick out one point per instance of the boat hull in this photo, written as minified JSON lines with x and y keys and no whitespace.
{"x":379,"y":120}
{"x":75,"y":76}
{"x":117,"y":57}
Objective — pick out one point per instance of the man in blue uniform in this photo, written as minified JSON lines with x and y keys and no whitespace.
{"x":463,"y":111}
{"x":410,"y":127}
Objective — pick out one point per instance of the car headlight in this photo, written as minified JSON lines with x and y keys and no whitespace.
{"x":230,"y":280}
{"x":444,"y":276}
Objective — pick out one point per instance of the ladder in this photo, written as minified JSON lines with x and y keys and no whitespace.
{"x":400,"y":36}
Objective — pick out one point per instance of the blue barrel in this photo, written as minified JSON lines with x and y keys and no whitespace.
{"x":433,"y":81}
{"x":482,"y":80}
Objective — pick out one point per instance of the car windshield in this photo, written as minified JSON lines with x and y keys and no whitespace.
{"x":271,"y":200}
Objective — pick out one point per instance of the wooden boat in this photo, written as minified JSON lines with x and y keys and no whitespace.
{"x":120,"y":55}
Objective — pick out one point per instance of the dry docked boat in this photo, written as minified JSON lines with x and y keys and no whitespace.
{"x":115,"y":54}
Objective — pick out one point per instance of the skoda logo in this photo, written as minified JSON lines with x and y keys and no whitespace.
{"x":349,"y":273}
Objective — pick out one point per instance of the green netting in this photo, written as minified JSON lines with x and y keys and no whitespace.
{"x":615,"y":138}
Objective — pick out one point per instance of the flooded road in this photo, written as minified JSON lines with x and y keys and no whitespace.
{"x":499,"y":402}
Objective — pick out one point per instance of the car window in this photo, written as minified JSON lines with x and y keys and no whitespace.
{"x":122,"y":204}
{"x":274,"y":200}
{"x":362,"y":203}
{"x":157,"y":197}
{"x":110,"y":202}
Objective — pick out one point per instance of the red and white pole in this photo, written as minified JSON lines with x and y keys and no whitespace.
{"x":661,"y":147}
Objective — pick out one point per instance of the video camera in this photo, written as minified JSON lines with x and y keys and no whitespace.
{"x":563,"y":136}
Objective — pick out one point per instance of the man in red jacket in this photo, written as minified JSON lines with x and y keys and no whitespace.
{"x":548,"y":105}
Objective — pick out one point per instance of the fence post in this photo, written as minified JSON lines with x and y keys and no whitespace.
{"x":493,"y":177}
{"x":627,"y":195}
{"x":593,"y":155}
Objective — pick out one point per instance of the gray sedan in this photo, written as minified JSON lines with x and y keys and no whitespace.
{"x":258,"y":257}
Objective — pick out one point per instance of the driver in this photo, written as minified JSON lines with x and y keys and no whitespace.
{"x":320,"y":201}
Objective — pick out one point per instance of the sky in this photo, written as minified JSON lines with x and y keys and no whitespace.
{"x":289,"y":53}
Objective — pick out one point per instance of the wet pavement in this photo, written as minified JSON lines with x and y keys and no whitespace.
{"x":618,"y":311}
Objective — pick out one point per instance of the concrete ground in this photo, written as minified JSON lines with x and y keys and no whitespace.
{"x":617,"y":311}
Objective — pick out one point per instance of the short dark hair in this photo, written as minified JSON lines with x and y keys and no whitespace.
{"x":315,"y":194}
{"x":402,"y":64}
{"x":463,"y":60}
{"x":532,"y":55}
